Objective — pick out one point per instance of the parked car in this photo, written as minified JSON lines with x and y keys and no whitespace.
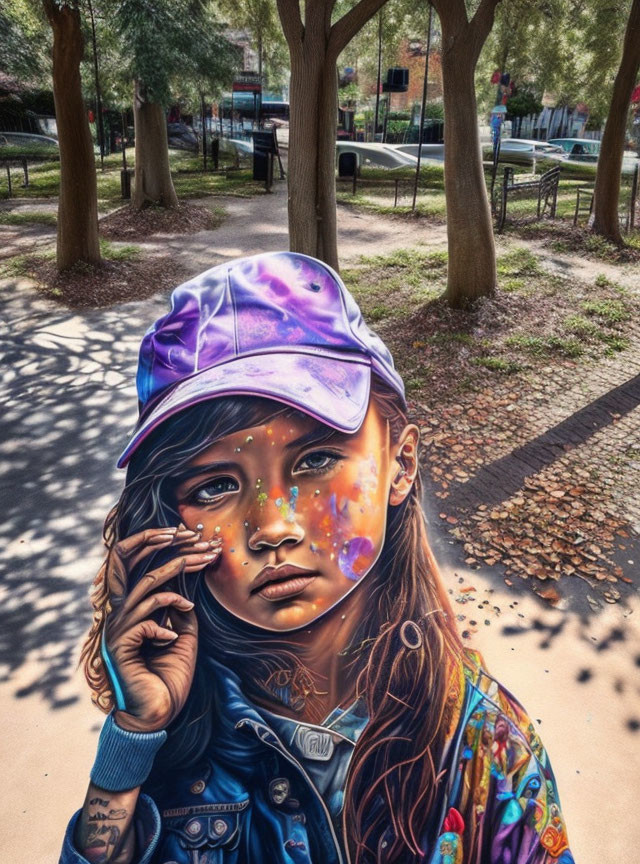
{"x":580,"y":149}
{"x":27,"y":144}
{"x":526,"y":150}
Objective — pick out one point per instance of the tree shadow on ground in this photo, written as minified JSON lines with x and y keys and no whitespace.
{"x":68,"y":404}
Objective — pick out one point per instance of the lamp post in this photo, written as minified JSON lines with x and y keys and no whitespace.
{"x":422,"y":109}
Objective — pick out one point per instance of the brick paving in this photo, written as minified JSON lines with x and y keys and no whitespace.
{"x":542,"y":474}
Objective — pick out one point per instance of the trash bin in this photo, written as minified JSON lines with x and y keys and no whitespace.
{"x":347,"y":165}
{"x":125,"y":182}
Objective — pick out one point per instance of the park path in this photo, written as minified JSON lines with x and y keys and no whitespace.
{"x":66,"y":407}
{"x":259,"y":224}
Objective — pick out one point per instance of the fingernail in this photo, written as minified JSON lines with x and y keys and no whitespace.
{"x":209,"y":556}
{"x":169,"y":530}
{"x":188,"y":605}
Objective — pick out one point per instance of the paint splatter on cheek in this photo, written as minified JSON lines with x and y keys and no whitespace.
{"x":356,"y":557}
{"x":339,"y":531}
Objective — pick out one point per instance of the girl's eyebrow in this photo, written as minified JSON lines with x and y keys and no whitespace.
{"x":314,"y":436}
{"x":207,"y":468}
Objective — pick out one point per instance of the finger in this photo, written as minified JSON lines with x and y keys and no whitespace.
{"x":142,"y":632}
{"x":116,"y":575}
{"x":154,"y":579}
{"x":128,"y":545}
{"x":162,"y":541}
{"x":147,"y":607}
{"x":121,"y":559}
{"x":184,"y":623}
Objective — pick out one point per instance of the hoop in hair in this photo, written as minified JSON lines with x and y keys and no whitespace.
{"x":408,"y":630}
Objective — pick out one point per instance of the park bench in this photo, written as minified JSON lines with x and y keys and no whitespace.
{"x":15,"y":160}
{"x":544,"y":188}
{"x":585,"y":198}
{"x":394,"y":183}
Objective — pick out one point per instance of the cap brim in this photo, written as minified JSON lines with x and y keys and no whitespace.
{"x":334,"y":390}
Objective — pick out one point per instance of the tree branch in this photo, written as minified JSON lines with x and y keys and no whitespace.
{"x":482,"y":21}
{"x":346,"y":27}
{"x":291,"y":20}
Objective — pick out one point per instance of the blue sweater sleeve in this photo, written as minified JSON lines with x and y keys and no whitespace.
{"x":146,"y":825}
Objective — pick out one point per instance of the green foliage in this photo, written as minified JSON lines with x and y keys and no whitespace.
{"x":25,"y":41}
{"x":523,"y":103}
{"x":166,"y":41}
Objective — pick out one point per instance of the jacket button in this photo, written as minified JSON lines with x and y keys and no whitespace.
{"x":194,"y":827}
{"x":198,"y":787}
{"x":219,"y":827}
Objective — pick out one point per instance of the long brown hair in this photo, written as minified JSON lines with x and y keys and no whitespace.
{"x":407,"y":673}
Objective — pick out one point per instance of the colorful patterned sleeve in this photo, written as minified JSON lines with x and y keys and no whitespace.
{"x":502,"y":804}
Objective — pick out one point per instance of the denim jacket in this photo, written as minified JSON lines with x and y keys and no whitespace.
{"x":270,"y":789}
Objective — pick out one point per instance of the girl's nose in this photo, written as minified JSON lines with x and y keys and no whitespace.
{"x":273,"y":523}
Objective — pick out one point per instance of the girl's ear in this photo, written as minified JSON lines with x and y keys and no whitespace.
{"x":404,"y":466}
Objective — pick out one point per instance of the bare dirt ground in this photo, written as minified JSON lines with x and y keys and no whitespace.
{"x":68,"y":403}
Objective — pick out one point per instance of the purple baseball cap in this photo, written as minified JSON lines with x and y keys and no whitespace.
{"x":279,"y":325}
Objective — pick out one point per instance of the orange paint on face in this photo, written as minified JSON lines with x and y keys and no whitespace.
{"x":333,"y":534}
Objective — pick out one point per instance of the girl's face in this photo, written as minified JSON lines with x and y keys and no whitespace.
{"x":301,"y":523}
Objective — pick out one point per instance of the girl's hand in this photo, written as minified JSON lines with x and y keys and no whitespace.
{"x":154,"y":663}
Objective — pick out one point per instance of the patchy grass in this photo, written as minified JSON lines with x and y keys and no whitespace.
{"x":519,"y":262}
{"x":129,"y":224}
{"x":498,"y":364}
{"x":541,"y":320}
{"x":545,"y":346}
{"x":189,"y":179}
{"x":119,"y":252}
{"x":28,"y":217}
{"x":607,"y":310}
{"x":124,"y":274}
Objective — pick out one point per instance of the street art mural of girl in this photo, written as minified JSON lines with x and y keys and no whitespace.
{"x":279,"y":661}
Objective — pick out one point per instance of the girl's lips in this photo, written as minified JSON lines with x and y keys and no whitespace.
{"x":286,"y":587}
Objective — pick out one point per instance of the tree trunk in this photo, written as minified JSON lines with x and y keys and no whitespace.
{"x":607,"y":190}
{"x":78,"y":200}
{"x":304,"y":97}
{"x":153,"y":183}
{"x":313,"y":95}
{"x":472,"y":256}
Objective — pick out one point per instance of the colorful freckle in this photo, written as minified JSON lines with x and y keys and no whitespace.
{"x":217,"y":529}
{"x":245,"y":563}
{"x":262,"y":498}
{"x":269,"y":431}
{"x":313,"y":547}
{"x":317,"y":492}
{"x":248,"y":439}
{"x":238,"y":449}
{"x":232,"y":550}
{"x":246,"y":524}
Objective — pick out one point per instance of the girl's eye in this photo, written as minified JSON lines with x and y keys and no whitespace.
{"x":214,"y":489}
{"x":318,"y":462}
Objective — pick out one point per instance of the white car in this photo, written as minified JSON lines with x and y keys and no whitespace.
{"x":526,"y":150}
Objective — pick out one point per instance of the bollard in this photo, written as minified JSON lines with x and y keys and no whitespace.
{"x":125,"y":183}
